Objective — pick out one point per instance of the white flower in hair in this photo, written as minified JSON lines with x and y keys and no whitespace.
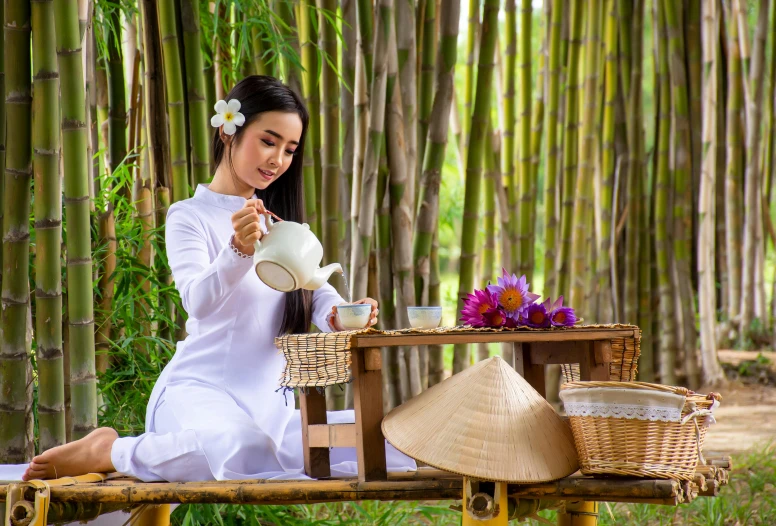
{"x":227,"y":115}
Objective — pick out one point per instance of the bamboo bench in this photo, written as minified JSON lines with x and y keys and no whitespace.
{"x":86,"y":497}
{"x":83,"y":498}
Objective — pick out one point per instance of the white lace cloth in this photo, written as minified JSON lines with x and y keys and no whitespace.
{"x":639,"y":404}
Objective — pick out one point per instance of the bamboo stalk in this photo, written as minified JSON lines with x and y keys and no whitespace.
{"x":605,"y":209}
{"x":408,"y":82}
{"x":634,"y":187}
{"x":48,"y":229}
{"x":479,"y":122}
{"x":509,"y":171}
{"x":433,"y":160}
{"x":400,"y":209}
{"x":428,"y":53}
{"x":721,"y":154}
{"x":488,"y":259}
{"x":663,"y":189}
{"x":712,"y":372}
{"x":16,"y":403}
{"x":361,"y":107}
{"x":733,"y":204}
{"x":107,"y":230}
{"x":472,"y":50}
{"x":175,"y":99}
{"x":524,"y":259}
{"x":199,"y":125}
{"x":158,"y":142}
{"x":752,"y":210}
{"x":331,"y":138}
{"x":374,"y":145}
{"x":694,"y":60}
{"x":682,"y":200}
{"x":397,"y":367}
{"x":570,"y":145}
{"x":553,"y":156}
{"x":584,"y":182}
{"x":163,"y":275}
{"x":80,"y":300}
{"x":436,"y":362}
{"x":366,"y":16}
{"x":347,"y":112}
{"x":308,"y":39}
{"x":290,"y":31}
{"x":117,"y":123}
{"x":537,"y":126}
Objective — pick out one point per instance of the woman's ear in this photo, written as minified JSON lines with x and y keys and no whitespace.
{"x":226,"y":139}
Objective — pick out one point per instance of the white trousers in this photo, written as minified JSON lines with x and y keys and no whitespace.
{"x":182,"y":449}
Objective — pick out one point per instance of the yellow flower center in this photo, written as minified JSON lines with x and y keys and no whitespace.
{"x":511,"y":299}
{"x":228,"y":116}
{"x":484,"y":307}
{"x":537,"y":317}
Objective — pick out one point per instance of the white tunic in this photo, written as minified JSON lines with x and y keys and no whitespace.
{"x":216,"y":410}
{"x":233,"y":316}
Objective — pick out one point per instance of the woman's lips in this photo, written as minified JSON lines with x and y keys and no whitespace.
{"x":267,"y":175}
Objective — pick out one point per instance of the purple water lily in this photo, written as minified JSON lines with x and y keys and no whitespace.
{"x":475,"y":307}
{"x":537,"y":317}
{"x":495,"y":317}
{"x":512,"y":293}
{"x":561,"y":316}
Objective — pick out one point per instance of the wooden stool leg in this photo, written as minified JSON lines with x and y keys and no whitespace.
{"x":579,"y":513}
{"x":596,"y":363}
{"x":368,"y":405}
{"x":312,"y":407}
{"x":533,"y":373}
{"x":153,"y":515}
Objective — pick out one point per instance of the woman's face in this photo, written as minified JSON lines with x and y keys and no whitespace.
{"x":266,"y":148}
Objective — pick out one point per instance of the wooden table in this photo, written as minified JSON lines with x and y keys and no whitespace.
{"x":590,"y":348}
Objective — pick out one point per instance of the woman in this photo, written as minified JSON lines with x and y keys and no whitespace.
{"x":216,"y":412}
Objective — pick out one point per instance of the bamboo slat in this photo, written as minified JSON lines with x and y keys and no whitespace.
{"x":424,"y":484}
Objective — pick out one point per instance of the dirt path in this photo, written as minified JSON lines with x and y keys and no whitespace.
{"x":746,"y":418}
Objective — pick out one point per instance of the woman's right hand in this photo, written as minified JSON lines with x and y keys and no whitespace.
{"x":247,"y":229}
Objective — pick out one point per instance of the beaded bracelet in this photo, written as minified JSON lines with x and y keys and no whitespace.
{"x":236,"y":251}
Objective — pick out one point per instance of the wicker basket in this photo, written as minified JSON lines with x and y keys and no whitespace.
{"x":636,"y":429}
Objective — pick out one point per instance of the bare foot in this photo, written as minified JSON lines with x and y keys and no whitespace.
{"x":91,"y":454}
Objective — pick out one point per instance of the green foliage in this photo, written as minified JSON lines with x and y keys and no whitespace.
{"x":366,"y":513}
{"x":136,"y":359}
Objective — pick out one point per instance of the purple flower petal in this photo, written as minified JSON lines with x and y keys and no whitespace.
{"x":495,"y":317}
{"x":512,"y":293}
{"x":563,"y":317}
{"x":536,"y":316}
{"x":475,"y":306}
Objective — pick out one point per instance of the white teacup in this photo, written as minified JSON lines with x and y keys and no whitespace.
{"x":354,"y":315}
{"x":424,"y":317}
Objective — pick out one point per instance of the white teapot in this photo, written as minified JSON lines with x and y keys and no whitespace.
{"x":288,"y":258}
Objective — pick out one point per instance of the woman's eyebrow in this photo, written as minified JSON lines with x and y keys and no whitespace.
{"x":276,"y":134}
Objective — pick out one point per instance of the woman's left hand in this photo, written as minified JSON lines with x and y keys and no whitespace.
{"x":337,"y":325}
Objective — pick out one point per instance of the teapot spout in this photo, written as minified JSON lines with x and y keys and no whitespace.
{"x":322,"y":276}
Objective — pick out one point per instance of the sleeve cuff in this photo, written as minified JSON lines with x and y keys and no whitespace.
{"x":231,"y":265}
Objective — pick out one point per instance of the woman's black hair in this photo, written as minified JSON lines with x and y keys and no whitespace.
{"x":285,"y":196}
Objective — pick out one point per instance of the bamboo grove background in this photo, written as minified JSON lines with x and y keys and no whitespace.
{"x":617,"y":152}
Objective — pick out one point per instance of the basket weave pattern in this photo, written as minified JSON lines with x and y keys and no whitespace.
{"x":323,"y":359}
{"x":640,"y":448}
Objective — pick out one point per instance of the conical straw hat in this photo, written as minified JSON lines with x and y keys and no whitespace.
{"x":486,"y":422}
